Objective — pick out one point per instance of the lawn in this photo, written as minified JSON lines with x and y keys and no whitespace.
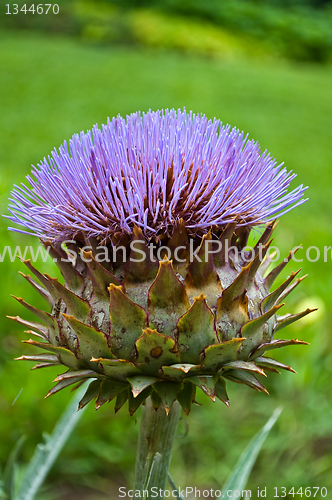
{"x":53,"y":87}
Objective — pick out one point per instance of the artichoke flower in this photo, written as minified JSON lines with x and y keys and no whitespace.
{"x":148,"y":221}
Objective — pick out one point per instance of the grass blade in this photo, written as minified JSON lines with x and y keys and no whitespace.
{"x":46,"y":453}
{"x":9,"y":473}
{"x":239,"y":476}
{"x":175,"y":490}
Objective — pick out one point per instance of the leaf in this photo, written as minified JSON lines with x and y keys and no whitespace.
{"x":116,"y":369}
{"x":100,"y":278}
{"x":139,"y":383}
{"x":245,"y":377}
{"x":121,"y":398}
{"x":52,"y":326}
{"x":196,"y":331}
{"x":92,"y":392}
{"x":275,"y":344}
{"x":256,"y":331}
{"x":63,"y":384}
{"x":167,"y":300}
{"x":270,"y":278}
{"x":175,"y":489}
{"x":272,"y":363}
{"x":108,"y":390}
{"x":134,"y":403}
{"x":136,"y":271}
{"x":178,"y":371}
{"x":168,"y":392}
{"x":9,"y":473}
{"x":40,"y":289}
{"x":156,"y":400}
{"x":273,"y":297}
{"x":43,"y":357}
{"x":220,"y":354}
{"x":288,"y":319}
{"x":127,"y":323}
{"x":66,"y":357}
{"x":155,"y":350}
{"x":46,"y":453}
{"x":76,"y":306}
{"x":74,"y":374}
{"x":240,"y":474}
{"x":207,"y":383}
{"x":202,"y":275}
{"x":91,"y":342}
{"x":242,"y":365}
{"x":221,"y":392}
{"x":236,"y":289}
{"x":74,"y":280}
{"x":167,"y":291}
{"x":187,"y":396}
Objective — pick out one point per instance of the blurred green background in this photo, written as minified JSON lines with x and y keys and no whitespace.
{"x":264,"y":67}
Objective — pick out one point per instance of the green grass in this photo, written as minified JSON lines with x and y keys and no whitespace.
{"x":51,"y":88}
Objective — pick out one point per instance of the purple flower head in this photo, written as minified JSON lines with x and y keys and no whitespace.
{"x":153,"y":169}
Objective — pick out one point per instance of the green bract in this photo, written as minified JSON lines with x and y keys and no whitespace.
{"x":161,"y":328}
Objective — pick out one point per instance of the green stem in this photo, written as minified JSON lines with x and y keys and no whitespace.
{"x":155,"y":443}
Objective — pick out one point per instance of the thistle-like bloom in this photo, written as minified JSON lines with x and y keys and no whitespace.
{"x":153,"y":170}
{"x":184,"y":315}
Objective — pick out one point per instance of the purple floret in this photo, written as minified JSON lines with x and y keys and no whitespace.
{"x":152,"y":169}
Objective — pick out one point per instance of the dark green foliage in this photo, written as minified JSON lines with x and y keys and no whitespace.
{"x":296,"y":29}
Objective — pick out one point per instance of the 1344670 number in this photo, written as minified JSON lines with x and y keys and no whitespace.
{"x":314,"y":491}
{"x":41,"y":8}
